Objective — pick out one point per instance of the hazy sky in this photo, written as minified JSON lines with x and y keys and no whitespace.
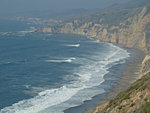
{"x":28,"y":5}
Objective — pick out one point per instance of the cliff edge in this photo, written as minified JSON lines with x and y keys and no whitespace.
{"x":136,"y":99}
{"x":129,"y":27}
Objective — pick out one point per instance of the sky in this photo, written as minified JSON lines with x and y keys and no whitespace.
{"x":11,"y":6}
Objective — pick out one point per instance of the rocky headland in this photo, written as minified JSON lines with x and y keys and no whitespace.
{"x":129,"y":27}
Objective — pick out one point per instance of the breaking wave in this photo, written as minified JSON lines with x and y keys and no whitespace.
{"x":61,"y":60}
{"x":73,"y":45}
{"x":90,"y":74}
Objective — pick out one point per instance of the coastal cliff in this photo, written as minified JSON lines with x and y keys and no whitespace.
{"x":136,"y":99}
{"x":129,"y":27}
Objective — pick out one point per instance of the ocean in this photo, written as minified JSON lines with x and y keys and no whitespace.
{"x":49,"y":73}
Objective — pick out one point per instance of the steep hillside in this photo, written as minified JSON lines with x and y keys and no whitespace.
{"x":129,"y":27}
{"x":132,"y":4}
{"x":136,"y":99}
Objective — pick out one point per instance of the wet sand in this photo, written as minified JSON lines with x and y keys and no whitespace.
{"x":127,"y":74}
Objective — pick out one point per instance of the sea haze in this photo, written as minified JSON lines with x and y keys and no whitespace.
{"x":49,"y":73}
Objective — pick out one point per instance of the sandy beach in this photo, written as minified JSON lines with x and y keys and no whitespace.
{"x":127,"y":74}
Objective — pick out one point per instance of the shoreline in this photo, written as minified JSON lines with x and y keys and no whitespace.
{"x":128,"y":74}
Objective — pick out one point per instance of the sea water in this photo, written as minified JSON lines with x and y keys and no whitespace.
{"x":49,"y":73}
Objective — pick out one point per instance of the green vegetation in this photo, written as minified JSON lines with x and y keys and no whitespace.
{"x":109,"y":18}
{"x":139,"y":85}
{"x":130,"y":27}
{"x":120,"y":107}
{"x":145,"y":108}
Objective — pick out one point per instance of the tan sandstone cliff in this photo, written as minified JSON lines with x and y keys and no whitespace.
{"x":129,"y":27}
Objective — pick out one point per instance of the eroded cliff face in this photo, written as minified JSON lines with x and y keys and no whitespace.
{"x":129,"y":27}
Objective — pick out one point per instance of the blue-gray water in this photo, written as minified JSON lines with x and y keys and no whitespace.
{"x":48,"y":73}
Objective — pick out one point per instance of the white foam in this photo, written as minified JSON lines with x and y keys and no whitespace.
{"x":73,"y":45}
{"x":23,"y":33}
{"x":27,"y":86}
{"x":49,"y":34}
{"x":5,"y":33}
{"x":42,"y":101}
{"x":8,"y":62}
{"x":88,"y":75}
{"x":61,"y":60}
